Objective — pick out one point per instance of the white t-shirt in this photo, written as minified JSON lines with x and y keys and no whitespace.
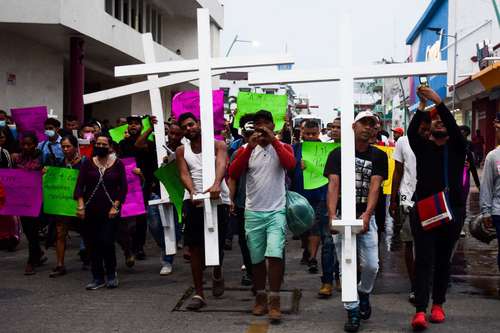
{"x":404,"y":154}
{"x":265,"y":181}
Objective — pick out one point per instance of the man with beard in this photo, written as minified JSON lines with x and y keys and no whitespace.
{"x":440,"y":163}
{"x":189,"y":162}
{"x":143,"y":150}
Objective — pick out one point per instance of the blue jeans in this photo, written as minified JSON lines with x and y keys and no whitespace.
{"x":496,"y":223}
{"x":156,"y":229}
{"x":329,"y":262}
{"x":367,"y":250}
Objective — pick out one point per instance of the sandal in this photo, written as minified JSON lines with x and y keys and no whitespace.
{"x":197,"y":302}
{"x":58,"y":271}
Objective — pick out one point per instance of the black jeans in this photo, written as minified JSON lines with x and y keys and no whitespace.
{"x":239,"y":220}
{"x":100,"y":241}
{"x":139,"y":233}
{"x":433,"y":248}
{"x":31,"y":228}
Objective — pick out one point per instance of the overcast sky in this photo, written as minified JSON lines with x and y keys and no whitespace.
{"x":309,"y":31}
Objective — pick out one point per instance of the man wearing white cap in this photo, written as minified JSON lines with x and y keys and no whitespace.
{"x":371,"y":170}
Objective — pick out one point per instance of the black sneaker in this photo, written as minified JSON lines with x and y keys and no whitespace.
{"x":313,"y":266}
{"x":95,"y":284}
{"x":246,"y":279}
{"x":112,"y":282}
{"x":353,"y":321}
{"x":305,"y":258}
{"x":365,"y":310}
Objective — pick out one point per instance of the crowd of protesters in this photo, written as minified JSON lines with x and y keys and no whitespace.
{"x":254,"y":168}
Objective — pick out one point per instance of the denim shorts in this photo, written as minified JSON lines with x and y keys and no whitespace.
{"x":265,"y":234}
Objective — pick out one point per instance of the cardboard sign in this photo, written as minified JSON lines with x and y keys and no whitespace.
{"x":118,"y":133}
{"x":189,"y":101}
{"x":134,"y":201}
{"x":252,"y":102}
{"x":315,"y":155}
{"x":170,"y":178}
{"x":30,"y":119}
{"x":23,"y":192}
{"x":387,"y":185}
{"x":58,"y":189}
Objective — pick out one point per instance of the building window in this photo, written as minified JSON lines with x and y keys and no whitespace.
{"x":118,"y":9}
{"x":141,"y":16}
{"x":134,"y":20}
{"x":153,"y":23}
{"x":158,"y":39}
{"x":126,"y":8}
{"x":148,"y":18}
{"x":109,"y":7}
{"x":245,"y":89}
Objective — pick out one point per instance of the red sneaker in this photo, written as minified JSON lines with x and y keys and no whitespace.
{"x":419,"y":323}
{"x":437,"y":314}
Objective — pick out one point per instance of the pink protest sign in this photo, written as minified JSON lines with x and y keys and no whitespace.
{"x":189,"y":101}
{"x":23,"y":192}
{"x":30,"y":119}
{"x":134,"y":202}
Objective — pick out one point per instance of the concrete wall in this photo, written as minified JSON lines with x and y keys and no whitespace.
{"x":180,"y":33}
{"x":39,"y":74}
{"x":30,"y":11}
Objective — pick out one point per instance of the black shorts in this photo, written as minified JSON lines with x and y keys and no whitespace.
{"x":194,"y":233}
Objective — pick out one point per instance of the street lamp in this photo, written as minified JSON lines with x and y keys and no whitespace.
{"x":236,"y":40}
{"x":439,"y":32}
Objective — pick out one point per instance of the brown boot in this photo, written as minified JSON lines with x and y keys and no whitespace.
{"x":260,"y":307}
{"x":274,"y":309}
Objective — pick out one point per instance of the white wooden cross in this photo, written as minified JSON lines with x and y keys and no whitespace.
{"x":187,"y":70}
{"x":346,"y":73}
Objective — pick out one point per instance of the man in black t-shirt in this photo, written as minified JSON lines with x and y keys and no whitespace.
{"x":371,"y":170}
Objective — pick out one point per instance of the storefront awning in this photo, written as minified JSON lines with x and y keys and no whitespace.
{"x":483,"y":81}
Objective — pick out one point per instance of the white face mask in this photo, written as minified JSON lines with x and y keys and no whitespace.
{"x":2,"y":123}
{"x":50,"y":133}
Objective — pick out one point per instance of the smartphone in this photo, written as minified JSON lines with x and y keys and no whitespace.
{"x":423,"y":81}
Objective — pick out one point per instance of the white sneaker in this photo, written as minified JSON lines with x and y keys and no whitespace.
{"x":166,"y":269}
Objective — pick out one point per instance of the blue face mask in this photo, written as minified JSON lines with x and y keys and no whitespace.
{"x":2,"y":123}
{"x":50,"y":133}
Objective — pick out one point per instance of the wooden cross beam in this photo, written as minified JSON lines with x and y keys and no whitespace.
{"x":346,"y":73}
{"x":203,"y":69}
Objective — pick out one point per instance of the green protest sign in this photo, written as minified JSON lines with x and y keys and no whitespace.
{"x":169,"y":176}
{"x":58,"y":188}
{"x":118,"y":133}
{"x":315,"y":155}
{"x":251,"y":102}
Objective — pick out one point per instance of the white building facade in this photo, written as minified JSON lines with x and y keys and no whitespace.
{"x":53,"y":51}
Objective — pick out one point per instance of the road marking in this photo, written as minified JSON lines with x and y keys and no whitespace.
{"x":260,"y":326}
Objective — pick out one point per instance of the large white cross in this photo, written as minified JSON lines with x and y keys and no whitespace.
{"x":187,"y":70}
{"x":346,"y":73}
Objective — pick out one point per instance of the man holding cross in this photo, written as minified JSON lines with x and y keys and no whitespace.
{"x":371,"y":170}
{"x":189,"y":162}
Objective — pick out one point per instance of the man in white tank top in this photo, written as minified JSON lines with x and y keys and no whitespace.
{"x":189,"y":162}
{"x":265,"y":161}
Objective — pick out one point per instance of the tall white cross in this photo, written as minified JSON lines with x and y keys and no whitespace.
{"x":187,"y":70}
{"x":346,"y":73}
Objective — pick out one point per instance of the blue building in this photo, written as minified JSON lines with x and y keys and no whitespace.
{"x":429,"y":45}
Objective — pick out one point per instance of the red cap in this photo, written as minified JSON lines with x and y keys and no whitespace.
{"x":399,"y":130}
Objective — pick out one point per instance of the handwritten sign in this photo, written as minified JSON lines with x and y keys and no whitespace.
{"x":30,"y":119}
{"x":189,"y":101}
{"x":252,"y":102}
{"x":58,"y":188}
{"x":23,"y":192}
{"x":387,"y":185}
{"x":170,"y":178}
{"x":118,"y":133}
{"x":315,"y":155}
{"x":134,"y":202}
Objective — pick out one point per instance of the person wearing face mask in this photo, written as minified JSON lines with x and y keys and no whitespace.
{"x":72,"y":160}
{"x":440,"y":163}
{"x":101,"y":189}
{"x":88,"y":132}
{"x":52,"y":154}
{"x":30,"y":159}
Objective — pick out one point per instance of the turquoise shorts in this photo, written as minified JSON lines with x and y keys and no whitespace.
{"x":265,"y":233}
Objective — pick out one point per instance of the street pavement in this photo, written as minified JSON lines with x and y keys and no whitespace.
{"x":147,"y":302}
